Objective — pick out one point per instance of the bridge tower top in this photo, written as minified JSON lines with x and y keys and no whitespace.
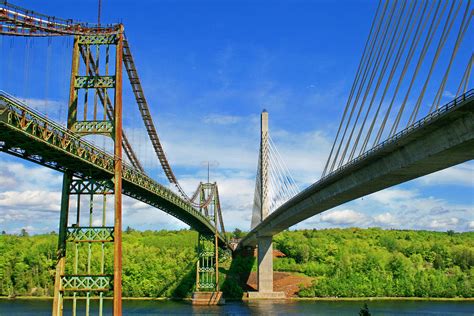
{"x":264,"y":165}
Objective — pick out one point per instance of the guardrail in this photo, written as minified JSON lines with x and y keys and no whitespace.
{"x":410,"y":129}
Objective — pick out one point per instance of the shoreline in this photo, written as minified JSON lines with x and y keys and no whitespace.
{"x":460,"y":299}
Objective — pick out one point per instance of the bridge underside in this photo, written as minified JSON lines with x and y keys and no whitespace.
{"x":437,"y":142}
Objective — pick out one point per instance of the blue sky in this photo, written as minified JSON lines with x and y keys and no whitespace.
{"x":208,"y":68}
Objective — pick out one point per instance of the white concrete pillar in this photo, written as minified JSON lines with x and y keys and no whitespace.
{"x":265,"y":264}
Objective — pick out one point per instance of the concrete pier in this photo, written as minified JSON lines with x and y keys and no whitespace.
{"x":265,"y":243}
{"x":207,"y":298}
{"x":265,"y":271}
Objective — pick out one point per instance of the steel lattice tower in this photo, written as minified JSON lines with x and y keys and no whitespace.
{"x":92,"y":80}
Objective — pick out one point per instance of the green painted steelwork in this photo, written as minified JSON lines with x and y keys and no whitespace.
{"x":90,"y":186}
{"x":87,"y":283}
{"x":90,"y":82}
{"x":90,"y":234}
{"x":99,"y":39}
{"x":206,"y":267}
{"x":93,"y":127}
{"x":27,"y":134}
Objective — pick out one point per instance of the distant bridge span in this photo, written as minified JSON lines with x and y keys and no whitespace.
{"x":440,"y":140}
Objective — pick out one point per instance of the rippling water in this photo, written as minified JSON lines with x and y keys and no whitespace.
{"x":39,"y":307}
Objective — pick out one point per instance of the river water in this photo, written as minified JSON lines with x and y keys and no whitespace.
{"x":40,"y":307}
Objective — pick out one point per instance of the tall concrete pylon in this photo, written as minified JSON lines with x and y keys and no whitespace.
{"x":264,"y":243}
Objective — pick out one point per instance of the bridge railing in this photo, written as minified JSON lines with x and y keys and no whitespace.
{"x":420,"y":123}
{"x":21,"y":110}
{"x":15,"y":20}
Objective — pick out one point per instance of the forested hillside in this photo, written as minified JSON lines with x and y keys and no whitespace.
{"x":373,"y":262}
{"x":343,"y":262}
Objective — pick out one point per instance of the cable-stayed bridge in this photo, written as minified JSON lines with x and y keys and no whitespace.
{"x":394,"y":127}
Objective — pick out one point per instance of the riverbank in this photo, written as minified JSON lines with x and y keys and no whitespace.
{"x":335,"y":299}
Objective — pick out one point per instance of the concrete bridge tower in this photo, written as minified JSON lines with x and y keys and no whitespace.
{"x":264,"y":243}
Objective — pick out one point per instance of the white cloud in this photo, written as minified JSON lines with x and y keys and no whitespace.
{"x":444,"y":223}
{"x":461,"y":175}
{"x":343,"y":217}
{"x":386,"y":219}
{"x":449,"y":94}
{"x":41,"y":200}
{"x":471,"y":225}
{"x":221,"y":119}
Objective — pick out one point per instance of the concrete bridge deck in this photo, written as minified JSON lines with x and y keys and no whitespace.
{"x":441,"y":140}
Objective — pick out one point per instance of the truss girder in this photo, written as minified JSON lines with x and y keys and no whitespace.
{"x":31,"y":136}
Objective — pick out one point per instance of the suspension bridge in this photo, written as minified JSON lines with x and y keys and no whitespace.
{"x":389,"y":134}
{"x":90,"y":172}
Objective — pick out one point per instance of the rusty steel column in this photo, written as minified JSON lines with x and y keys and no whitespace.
{"x":118,"y":177}
{"x":61,"y":264}
{"x":67,"y":177}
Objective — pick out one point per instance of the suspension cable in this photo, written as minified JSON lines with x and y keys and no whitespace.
{"x":465,"y":78}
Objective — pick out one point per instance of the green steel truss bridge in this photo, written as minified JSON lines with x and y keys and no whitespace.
{"x":100,"y":52}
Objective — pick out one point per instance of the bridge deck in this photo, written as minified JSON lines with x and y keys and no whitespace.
{"x":441,"y":140}
{"x":29,"y":135}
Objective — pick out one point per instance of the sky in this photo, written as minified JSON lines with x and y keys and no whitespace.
{"x":208,"y":69}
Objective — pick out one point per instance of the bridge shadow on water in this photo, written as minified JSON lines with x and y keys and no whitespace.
{"x":236,"y":277}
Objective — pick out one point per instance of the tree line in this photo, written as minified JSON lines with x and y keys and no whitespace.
{"x":342,"y":262}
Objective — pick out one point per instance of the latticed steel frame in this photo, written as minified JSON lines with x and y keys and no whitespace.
{"x":207,"y":265}
{"x":86,"y":281}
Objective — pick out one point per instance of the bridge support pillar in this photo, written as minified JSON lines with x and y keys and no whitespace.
{"x":264,"y":243}
{"x":265,"y":271}
{"x":265,"y":264}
